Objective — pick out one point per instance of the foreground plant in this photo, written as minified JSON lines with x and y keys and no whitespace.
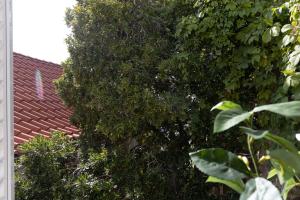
{"x":235,"y":171}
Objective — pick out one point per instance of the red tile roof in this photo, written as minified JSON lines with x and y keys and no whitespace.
{"x":38,"y":110}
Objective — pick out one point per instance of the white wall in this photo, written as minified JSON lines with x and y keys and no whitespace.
{"x":6,"y":133}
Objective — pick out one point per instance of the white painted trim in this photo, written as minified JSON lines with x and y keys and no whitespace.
{"x":6,"y":102}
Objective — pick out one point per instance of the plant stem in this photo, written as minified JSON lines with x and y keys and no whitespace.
{"x":298,"y":179}
{"x":252,"y":156}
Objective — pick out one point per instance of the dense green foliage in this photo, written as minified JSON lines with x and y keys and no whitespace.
{"x":116,"y":83}
{"x":237,"y":172}
{"x":143,"y":74}
{"x":42,"y":168}
{"x":54,"y":169}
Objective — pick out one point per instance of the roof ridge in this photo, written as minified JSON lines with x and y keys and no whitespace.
{"x":36,"y":59}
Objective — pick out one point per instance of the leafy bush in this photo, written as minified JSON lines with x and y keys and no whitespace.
{"x":224,"y":167}
{"x":54,"y":169}
{"x":42,"y":169}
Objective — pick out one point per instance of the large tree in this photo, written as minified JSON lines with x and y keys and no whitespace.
{"x":142,"y":76}
{"x":113,"y":83}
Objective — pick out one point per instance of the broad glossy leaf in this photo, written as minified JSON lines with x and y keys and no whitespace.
{"x":286,"y":28}
{"x":294,"y":58}
{"x":226,"y":105}
{"x":256,"y":134}
{"x":229,"y":118}
{"x":275,"y":31}
{"x":259,"y":134}
{"x":272,"y":173}
{"x":282,"y":142}
{"x":267,"y":36}
{"x":292,"y":81}
{"x":220,"y":163}
{"x":288,"y":109}
{"x":284,"y":172}
{"x":288,"y":39}
{"x":287,"y":158}
{"x":260,"y":189}
{"x":236,"y":185}
{"x":288,"y":72}
{"x":288,"y":186}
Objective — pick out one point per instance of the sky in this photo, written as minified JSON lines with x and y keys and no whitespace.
{"x":39,"y":29}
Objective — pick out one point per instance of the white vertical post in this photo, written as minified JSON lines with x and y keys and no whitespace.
{"x":6,"y":103}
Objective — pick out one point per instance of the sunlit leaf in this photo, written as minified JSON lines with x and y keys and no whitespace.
{"x":294,"y":58}
{"x":288,"y":39}
{"x":226,"y":105}
{"x":260,"y":189}
{"x":286,"y":28}
{"x":275,"y":31}
{"x":272,"y":173}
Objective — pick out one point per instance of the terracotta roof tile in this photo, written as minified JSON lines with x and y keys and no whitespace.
{"x":49,"y":124}
{"x":45,"y":133}
{"x":65,"y":131}
{"x":38,"y":110}
{"x":40,"y":134}
{"x":22,"y":128}
{"x":29,"y":125}
{"x":25,"y":136}
{"x":17,"y":119}
{"x":40,"y":124}
{"x":19,"y":140}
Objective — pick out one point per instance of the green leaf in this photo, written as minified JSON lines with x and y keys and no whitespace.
{"x":294,"y":58}
{"x":231,"y":6}
{"x":260,"y":189}
{"x":226,"y":105}
{"x":275,"y":31}
{"x":288,"y":109}
{"x":220,"y":163}
{"x":287,"y":158}
{"x":288,"y":186}
{"x":288,"y":72}
{"x":282,"y":142}
{"x":229,"y":118}
{"x":287,"y":40}
{"x":284,"y":172}
{"x":272,"y":173}
{"x":236,"y":185}
{"x":293,"y":81}
{"x":286,"y":28}
{"x":267,"y":36}
{"x":256,"y":134}
{"x":259,"y":134}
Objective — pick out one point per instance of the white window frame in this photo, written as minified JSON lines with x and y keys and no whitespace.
{"x":6,"y":103}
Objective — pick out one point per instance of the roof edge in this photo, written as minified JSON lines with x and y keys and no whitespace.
{"x":37,"y":60}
